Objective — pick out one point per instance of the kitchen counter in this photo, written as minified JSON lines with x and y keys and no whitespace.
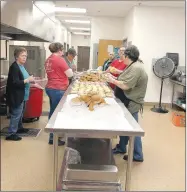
{"x":124,"y":125}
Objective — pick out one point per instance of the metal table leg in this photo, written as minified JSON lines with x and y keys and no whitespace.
{"x":129,"y":163}
{"x":55,"y":160}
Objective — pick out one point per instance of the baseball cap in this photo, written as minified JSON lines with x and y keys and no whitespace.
{"x":72,"y":51}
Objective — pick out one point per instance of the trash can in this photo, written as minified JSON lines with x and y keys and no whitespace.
{"x":33,"y":108}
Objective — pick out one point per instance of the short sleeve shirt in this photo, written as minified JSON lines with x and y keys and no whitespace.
{"x":118,"y":65}
{"x":55,"y":67}
{"x":136,"y":79}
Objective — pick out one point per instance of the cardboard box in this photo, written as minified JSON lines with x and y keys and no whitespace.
{"x":179,"y":119}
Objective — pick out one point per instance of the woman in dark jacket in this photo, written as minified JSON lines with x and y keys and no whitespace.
{"x":17,"y":91}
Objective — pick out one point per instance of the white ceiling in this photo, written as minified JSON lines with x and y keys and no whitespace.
{"x":107,"y":8}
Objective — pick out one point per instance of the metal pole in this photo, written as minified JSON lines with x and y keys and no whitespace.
{"x":55,"y":161}
{"x":173,"y":90}
{"x":161,"y":88}
{"x":129,"y":163}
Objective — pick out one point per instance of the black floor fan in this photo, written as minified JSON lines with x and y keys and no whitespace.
{"x":163,"y":68}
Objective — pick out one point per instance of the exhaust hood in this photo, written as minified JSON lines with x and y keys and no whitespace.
{"x":12,"y":33}
{"x":4,"y":37}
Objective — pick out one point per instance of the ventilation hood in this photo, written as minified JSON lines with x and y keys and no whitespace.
{"x":12,"y":33}
{"x":4,"y":37}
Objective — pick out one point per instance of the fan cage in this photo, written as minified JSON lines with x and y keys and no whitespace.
{"x":161,"y":69}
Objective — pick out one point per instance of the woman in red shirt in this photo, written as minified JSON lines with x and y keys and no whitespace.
{"x":118,"y":64}
{"x":58,"y":73}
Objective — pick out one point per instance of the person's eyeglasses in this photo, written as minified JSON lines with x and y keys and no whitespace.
{"x":23,"y":56}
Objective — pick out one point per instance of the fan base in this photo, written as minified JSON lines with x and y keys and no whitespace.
{"x":159,"y":110}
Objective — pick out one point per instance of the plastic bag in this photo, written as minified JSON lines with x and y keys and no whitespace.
{"x":74,"y":156}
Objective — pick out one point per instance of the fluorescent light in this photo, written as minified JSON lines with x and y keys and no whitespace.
{"x":78,"y":21}
{"x":79,"y":33}
{"x":80,"y":28}
{"x":70,"y":10}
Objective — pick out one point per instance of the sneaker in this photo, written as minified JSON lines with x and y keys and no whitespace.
{"x":136,"y":160}
{"x":13,"y":137}
{"x":23,"y":130}
{"x":60,"y":143}
{"x":118,"y":151}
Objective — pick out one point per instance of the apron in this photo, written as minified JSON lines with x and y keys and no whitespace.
{"x":70,"y":80}
{"x":119,"y":93}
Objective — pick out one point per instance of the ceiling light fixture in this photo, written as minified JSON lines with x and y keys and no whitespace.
{"x":78,"y":21}
{"x":70,"y":10}
{"x":80,"y":28}
{"x":79,"y":33}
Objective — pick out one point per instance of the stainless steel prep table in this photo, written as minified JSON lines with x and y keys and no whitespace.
{"x":174,"y":84}
{"x":135,"y":130}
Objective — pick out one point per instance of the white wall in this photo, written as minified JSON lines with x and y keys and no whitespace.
{"x":79,"y":40}
{"x":159,"y":30}
{"x":129,"y":26}
{"x":65,"y":35}
{"x":105,"y":28}
{"x":69,"y":38}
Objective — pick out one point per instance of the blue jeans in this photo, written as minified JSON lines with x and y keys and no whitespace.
{"x":54,"y":99}
{"x":16,"y":115}
{"x":138,"y":154}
